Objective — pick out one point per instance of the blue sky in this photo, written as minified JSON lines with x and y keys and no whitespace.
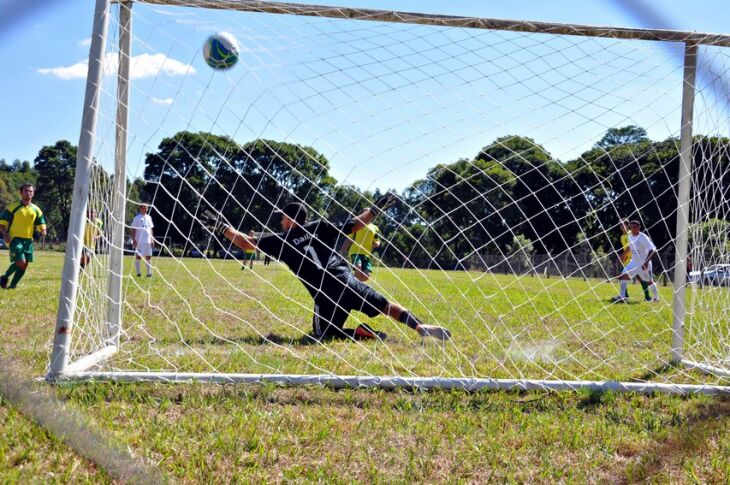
{"x":43,"y":87}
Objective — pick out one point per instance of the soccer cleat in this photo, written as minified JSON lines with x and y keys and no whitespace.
{"x":138,"y":275}
{"x":364,"y":332}
{"x":619,"y":299}
{"x":434,"y":331}
{"x":3,"y":282}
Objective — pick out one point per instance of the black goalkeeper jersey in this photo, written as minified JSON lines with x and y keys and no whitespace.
{"x":310,"y":251}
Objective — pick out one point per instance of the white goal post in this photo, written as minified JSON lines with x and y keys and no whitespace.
{"x":516,"y":149}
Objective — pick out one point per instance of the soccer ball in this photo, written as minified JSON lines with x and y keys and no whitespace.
{"x":221,"y":51}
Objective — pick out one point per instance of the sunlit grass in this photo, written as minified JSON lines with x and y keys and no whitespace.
{"x":207,"y":433}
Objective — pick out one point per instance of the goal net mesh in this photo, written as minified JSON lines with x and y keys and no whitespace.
{"x":514,"y":156}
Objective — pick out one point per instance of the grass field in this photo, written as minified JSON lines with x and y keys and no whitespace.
{"x":196,"y":433}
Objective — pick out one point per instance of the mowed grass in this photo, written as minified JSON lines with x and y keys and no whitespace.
{"x":209,"y":316}
{"x":208,"y":433}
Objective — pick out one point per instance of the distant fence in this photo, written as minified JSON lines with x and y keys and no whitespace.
{"x":563,"y":265}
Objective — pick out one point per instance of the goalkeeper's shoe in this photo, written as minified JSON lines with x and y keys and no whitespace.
{"x":3,"y":282}
{"x":620,"y":299}
{"x":364,"y":332}
{"x":440,"y":333}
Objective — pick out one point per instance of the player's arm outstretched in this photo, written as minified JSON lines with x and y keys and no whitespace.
{"x":220,"y":227}
{"x":368,"y":215}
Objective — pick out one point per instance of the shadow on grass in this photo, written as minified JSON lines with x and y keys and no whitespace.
{"x":594,"y":398}
{"x":269,"y":339}
{"x":655,"y":372}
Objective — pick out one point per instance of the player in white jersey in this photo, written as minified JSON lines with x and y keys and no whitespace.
{"x":142,"y":239}
{"x":642,"y":250}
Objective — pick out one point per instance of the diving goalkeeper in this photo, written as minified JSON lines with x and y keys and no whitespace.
{"x":309,"y":250}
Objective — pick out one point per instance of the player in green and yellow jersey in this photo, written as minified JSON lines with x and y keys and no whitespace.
{"x":18,"y":222}
{"x":249,"y":254}
{"x":360,"y":252}
{"x":92,"y":233}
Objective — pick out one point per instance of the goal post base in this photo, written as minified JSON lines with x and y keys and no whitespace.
{"x":391,"y":383}
{"x":85,"y":363}
{"x":706,"y":368}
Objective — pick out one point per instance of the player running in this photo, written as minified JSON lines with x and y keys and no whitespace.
{"x":642,"y":250}
{"x":309,"y":250}
{"x":18,"y":222}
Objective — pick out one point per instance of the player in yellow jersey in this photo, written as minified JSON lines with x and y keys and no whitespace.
{"x":18,"y":222}
{"x":360,"y":252}
{"x":92,"y":233}
{"x":249,"y":254}
{"x":625,"y":248}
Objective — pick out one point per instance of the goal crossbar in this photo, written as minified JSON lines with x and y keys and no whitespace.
{"x":286,"y":8}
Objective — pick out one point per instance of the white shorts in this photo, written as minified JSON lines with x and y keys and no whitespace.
{"x":633,"y":269}
{"x":144,"y":250}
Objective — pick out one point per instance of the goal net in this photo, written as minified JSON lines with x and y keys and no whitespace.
{"x":515,"y":150}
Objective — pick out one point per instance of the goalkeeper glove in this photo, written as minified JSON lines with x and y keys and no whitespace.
{"x":213,"y":223}
{"x":384,"y":201}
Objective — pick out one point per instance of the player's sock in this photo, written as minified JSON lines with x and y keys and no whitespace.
{"x":654,"y":290}
{"x":18,"y":275}
{"x":623,"y":288}
{"x":11,"y":269}
{"x":136,"y":266}
{"x":149,"y":267}
{"x":645,"y":287}
{"x":409,"y":319}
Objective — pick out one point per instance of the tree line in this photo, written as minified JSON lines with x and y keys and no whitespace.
{"x":511,"y":198}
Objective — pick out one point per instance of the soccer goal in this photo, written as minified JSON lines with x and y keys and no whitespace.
{"x":516,"y":150}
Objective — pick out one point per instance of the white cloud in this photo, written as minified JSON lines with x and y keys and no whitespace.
{"x":144,"y":65}
{"x":163,"y":101}
{"x":85,"y":43}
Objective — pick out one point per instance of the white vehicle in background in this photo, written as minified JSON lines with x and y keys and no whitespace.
{"x":713,"y":275}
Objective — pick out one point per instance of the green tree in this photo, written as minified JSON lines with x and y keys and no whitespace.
{"x":632,"y":181}
{"x":536,"y":205}
{"x":622,"y":136}
{"x":463,"y":207}
{"x":178,"y":183}
{"x":56,"y":166}
{"x":346,"y":200}
{"x":6,"y":195}
{"x":271,"y":173}
{"x":711,"y":239}
{"x":519,"y":252}
{"x":195,"y":171}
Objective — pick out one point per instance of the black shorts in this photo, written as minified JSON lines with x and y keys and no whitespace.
{"x":333,"y":304}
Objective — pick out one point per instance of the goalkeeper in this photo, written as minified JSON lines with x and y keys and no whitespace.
{"x":309,"y":250}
